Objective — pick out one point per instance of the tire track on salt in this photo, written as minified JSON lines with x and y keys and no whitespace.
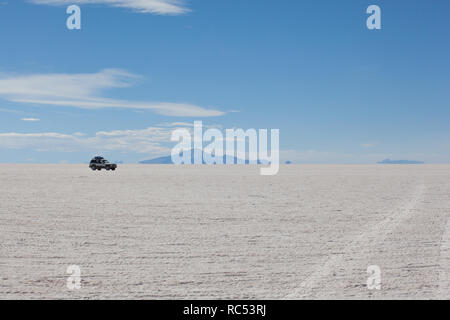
{"x":367,"y":238}
{"x":444,"y":264}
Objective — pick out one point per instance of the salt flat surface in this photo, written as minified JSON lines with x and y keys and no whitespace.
{"x":207,"y":232}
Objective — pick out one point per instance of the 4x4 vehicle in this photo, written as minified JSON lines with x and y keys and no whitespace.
{"x":99,"y":163}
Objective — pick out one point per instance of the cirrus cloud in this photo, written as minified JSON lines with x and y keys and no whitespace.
{"x":84,"y":90}
{"x":161,"y":7}
{"x":152,"y":141}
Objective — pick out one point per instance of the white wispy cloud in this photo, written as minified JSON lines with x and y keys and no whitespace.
{"x":155,"y":140}
{"x":369,"y":144}
{"x":152,"y":141}
{"x":12,"y":111}
{"x":30,"y":119}
{"x":84,"y":90}
{"x":161,"y":7}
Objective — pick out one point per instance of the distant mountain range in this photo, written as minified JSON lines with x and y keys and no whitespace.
{"x":161,"y":160}
{"x":389,"y":161}
{"x":168,"y":160}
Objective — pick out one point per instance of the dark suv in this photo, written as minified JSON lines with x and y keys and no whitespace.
{"x":99,"y":163}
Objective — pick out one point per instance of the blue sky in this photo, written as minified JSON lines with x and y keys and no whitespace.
{"x":338,"y":92}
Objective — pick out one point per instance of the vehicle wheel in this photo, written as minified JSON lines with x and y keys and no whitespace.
{"x":113,"y":169}
{"x":107,"y":168}
{"x":93,"y":169}
{"x":99,"y":169}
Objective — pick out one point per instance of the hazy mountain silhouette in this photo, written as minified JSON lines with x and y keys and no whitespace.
{"x":389,"y":161}
{"x":168,"y":160}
